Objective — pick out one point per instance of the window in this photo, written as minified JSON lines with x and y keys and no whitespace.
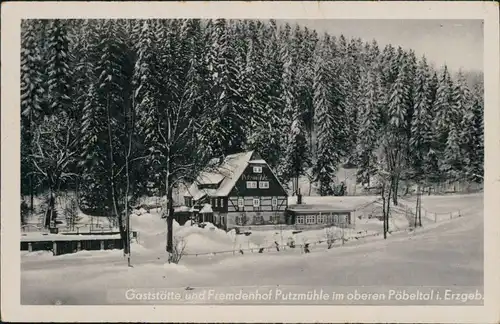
{"x":241,"y":203}
{"x":251,"y":184}
{"x":274,"y":202}
{"x":216,"y":202}
{"x":300,"y":220}
{"x":310,"y":219}
{"x":256,"y":202}
{"x":264,"y":184}
{"x":257,"y":220}
{"x":257,"y":169}
{"x":321,"y":219}
{"x":241,"y":220}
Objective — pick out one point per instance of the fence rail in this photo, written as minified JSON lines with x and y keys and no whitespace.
{"x":77,"y":229}
{"x":335,"y":242}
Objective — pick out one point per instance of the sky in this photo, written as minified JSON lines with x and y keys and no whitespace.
{"x":458,"y":43}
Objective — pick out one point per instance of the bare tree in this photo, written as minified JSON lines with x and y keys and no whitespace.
{"x":54,"y":153}
{"x":179,"y":246}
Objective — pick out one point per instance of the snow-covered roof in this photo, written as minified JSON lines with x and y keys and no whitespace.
{"x":234,"y":166}
{"x":207,"y":209}
{"x":317,"y":208}
{"x":228,"y":172}
{"x":257,"y":161}
{"x":209,"y":178}
{"x":181,"y":209}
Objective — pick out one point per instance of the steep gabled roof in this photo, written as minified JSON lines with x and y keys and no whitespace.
{"x":237,"y":164}
{"x":226,"y":174}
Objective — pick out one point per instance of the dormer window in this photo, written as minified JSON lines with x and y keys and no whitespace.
{"x":257,"y":169}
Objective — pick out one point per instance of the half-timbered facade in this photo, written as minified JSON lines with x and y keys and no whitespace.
{"x":242,"y":191}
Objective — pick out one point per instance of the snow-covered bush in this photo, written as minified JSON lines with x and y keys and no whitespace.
{"x":70,"y":212}
{"x":179,"y":245}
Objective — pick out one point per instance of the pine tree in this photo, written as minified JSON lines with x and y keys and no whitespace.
{"x":227,"y":128}
{"x":475,"y":169}
{"x":149,"y":100}
{"x":292,"y":165}
{"x":396,"y":140}
{"x":465,"y":124}
{"x":420,"y":130}
{"x":443,"y":111}
{"x":83,"y":54}
{"x":352,"y":62}
{"x":31,"y":69}
{"x":411,"y":71}
{"x":330,"y":122}
{"x":58,"y":71}
{"x":93,"y":156}
{"x":31,"y":101}
{"x":367,"y":131}
{"x":268,"y":139}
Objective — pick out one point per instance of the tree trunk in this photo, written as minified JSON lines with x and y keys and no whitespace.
{"x":395,"y":187}
{"x":388,"y":207}
{"x":127,"y":212}
{"x":123,"y":232}
{"x":31,"y":178}
{"x":50,"y":209}
{"x":32,"y":193}
{"x":417,"y":207}
{"x":420,"y":209}
{"x":384,"y":209}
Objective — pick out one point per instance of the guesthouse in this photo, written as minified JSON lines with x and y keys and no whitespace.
{"x":241,"y":191}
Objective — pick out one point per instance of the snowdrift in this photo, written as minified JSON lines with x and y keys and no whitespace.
{"x":210,"y":239}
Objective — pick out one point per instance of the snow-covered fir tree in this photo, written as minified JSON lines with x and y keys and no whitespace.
{"x":58,"y":67}
{"x":367,"y":138}
{"x":329,"y":107}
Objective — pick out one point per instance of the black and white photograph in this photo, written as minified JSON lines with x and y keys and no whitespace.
{"x":250,"y":161}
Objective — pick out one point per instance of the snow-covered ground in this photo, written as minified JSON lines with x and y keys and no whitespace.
{"x":446,"y":253}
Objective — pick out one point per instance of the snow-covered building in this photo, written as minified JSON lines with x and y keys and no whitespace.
{"x":241,"y":191}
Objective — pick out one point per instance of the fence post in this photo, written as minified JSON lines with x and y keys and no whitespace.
{"x":30,"y":247}
{"x":102,"y":244}
{"x":79,"y":246}
{"x":54,"y":247}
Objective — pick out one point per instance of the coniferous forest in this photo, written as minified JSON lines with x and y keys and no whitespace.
{"x":123,"y":108}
